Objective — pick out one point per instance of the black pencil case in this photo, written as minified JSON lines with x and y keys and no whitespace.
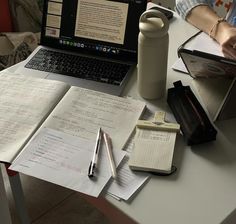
{"x":194,"y":122}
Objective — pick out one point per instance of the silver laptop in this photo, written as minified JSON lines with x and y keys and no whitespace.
{"x":87,"y":43}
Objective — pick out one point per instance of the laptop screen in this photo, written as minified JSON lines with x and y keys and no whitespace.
{"x":99,"y":27}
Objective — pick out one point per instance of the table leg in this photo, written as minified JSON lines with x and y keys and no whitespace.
{"x":18,"y":195}
{"x":109,"y":210}
{"x":5,"y":216}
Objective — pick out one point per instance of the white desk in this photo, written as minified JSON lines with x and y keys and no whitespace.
{"x":203,"y":190}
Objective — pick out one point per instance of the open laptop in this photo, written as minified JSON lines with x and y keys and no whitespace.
{"x":87,"y":43}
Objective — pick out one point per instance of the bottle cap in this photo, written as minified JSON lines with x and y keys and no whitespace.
{"x":153,"y":23}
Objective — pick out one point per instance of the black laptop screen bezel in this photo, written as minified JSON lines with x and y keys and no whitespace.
{"x":123,"y":53}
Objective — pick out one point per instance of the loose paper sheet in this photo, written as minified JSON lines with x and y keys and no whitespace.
{"x":203,"y":43}
{"x":128,"y":181}
{"x":81,"y":113}
{"x":64,"y":160}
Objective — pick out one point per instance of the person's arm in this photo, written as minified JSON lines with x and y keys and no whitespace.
{"x":204,"y":18}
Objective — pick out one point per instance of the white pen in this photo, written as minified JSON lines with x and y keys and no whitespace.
{"x":110,"y":155}
{"x":93,"y":162}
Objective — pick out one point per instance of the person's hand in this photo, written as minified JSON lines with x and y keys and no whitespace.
{"x":226,"y":37}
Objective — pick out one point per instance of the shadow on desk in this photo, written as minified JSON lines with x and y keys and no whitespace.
{"x":222,"y":151}
{"x":178,"y":155}
{"x":177,"y":161}
{"x":227,"y":129}
{"x":231,"y":218}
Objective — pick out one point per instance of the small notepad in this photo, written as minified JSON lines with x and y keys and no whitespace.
{"x":153,"y":150}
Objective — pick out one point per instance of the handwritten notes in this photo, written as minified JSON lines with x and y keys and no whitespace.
{"x":153,"y":150}
{"x":64,"y":160}
{"x":25,"y":103}
{"x":81,"y":112}
{"x":61,"y":150}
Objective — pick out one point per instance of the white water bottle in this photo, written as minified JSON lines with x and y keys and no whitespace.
{"x":153,"y":42}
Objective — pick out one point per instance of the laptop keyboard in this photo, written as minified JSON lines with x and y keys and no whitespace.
{"x":78,"y":66}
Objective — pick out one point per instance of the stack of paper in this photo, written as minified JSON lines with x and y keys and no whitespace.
{"x":61,"y":149}
{"x":128,"y":181}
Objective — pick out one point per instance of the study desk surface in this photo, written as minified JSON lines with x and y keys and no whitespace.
{"x":204,"y":187}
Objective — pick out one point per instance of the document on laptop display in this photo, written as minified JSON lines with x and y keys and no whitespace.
{"x":101,"y":20}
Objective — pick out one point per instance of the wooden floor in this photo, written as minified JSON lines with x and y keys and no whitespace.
{"x":51,"y":204}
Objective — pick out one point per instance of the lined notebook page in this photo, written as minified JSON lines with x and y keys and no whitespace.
{"x":153,"y":151}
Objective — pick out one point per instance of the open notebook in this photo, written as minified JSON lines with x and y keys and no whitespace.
{"x":31,"y":108}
